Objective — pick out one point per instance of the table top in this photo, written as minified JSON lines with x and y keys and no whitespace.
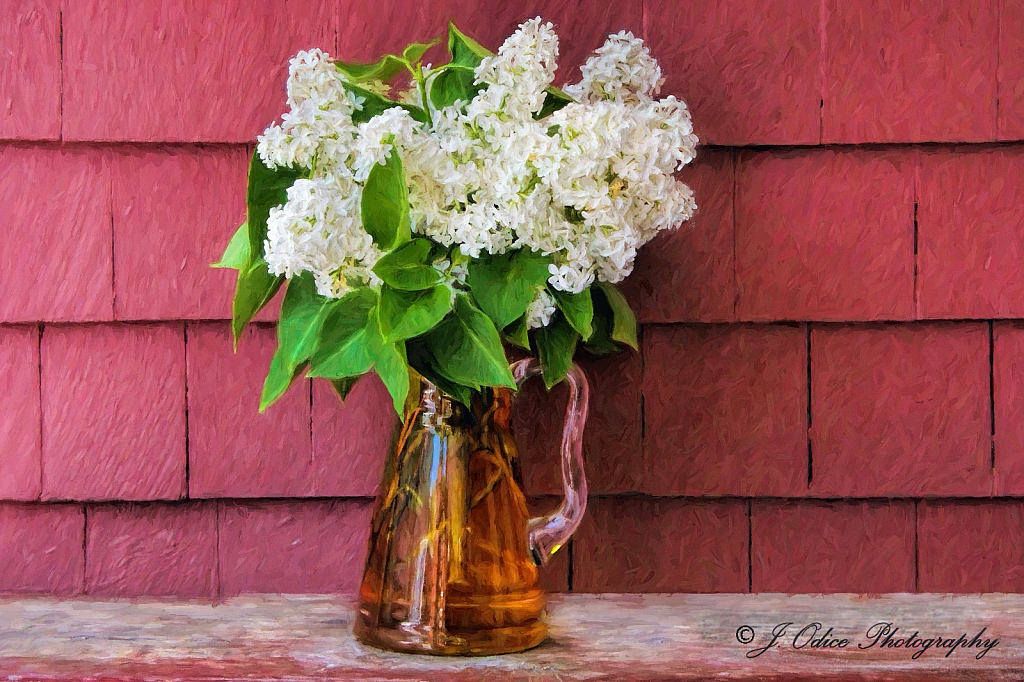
{"x":593,"y":637}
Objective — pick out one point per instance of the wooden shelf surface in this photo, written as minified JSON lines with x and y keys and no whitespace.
{"x":593,"y":637}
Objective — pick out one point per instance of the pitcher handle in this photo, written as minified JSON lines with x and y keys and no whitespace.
{"x":548,"y":533}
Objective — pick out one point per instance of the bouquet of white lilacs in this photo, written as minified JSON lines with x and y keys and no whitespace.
{"x":418,"y":228}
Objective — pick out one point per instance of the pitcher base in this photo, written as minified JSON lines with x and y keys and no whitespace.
{"x":427,"y":639}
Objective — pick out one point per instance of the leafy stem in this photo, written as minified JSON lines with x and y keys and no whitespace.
{"x":421,"y":84}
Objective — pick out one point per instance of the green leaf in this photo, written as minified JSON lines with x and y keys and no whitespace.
{"x":254,"y":289}
{"x":407,"y":266}
{"x":351,"y":344}
{"x":414,"y":52}
{"x":468,"y":349}
{"x":374,"y":104}
{"x":424,"y":362}
{"x":268,"y":187}
{"x":236,"y":256}
{"x":405,"y":314}
{"x":556,"y":345}
{"x":302,"y":316}
{"x":343,"y":386}
{"x":385,"y":204}
{"x":279,"y":378}
{"x":517,"y":333}
{"x":624,"y":321}
{"x":384,"y":69}
{"x":393,"y":369}
{"x":554,"y":99}
{"x":453,"y":84}
{"x":412,"y":398}
{"x":464,"y":50}
{"x":350,"y":339}
{"x":505,"y":285}
{"x":601,"y":343}
{"x":578,"y":310}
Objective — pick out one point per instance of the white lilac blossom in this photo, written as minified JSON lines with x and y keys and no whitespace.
{"x":377,"y":137}
{"x":473,"y":178}
{"x":621,"y":69}
{"x":587,"y":186}
{"x":616,"y":150}
{"x":318,"y":230}
{"x":540,"y":311}
{"x":318,"y":130}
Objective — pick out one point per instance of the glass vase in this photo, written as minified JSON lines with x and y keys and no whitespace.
{"x":454,"y":553}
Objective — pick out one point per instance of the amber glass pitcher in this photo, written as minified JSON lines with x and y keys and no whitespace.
{"x":452,"y":566}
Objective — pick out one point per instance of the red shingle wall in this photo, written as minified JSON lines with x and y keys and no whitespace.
{"x":830,"y":390}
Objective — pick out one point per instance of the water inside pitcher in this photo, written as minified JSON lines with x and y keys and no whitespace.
{"x":453,"y":559}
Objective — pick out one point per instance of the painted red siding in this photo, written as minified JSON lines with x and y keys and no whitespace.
{"x":725,"y":408}
{"x":813,"y":546}
{"x":173,"y":210}
{"x":113,"y":406}
{"x":180,"y":71}
{"x":233,"y":450}
{"x":910,"y":71}
{"x":825,"y":235}
{"x":749,"y":70}
{"x":55,"y":237}
{"x":901,"y":410}
{"x":292,"y":547}
{"x":30,"y":69}
{"x":151,"y":549}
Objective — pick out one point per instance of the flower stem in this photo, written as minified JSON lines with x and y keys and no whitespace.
{"x":421,"y":82}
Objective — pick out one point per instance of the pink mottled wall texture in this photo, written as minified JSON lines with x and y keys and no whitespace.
{"x":830,"y":390}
